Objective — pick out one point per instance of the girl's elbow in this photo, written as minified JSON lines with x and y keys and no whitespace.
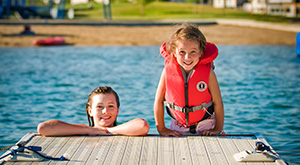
{"x":146,"y":128}
{"x":41,"y":128}
{"x":143,"y":126}
{"x":45,"y":127}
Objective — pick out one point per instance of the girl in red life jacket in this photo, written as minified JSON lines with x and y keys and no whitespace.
{"x":188,"y":86}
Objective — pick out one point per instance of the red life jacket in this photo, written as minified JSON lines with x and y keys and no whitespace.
{"x":188,"y":102}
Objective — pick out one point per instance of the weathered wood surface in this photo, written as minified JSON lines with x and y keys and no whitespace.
{"x":147,"y":150}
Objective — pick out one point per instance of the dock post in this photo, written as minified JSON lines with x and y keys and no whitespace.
{"x":7,"y":6}
{"x":106,"y":9}
{"x":61,"y":9}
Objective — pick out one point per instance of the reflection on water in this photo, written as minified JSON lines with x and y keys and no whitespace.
{"x":259,"y":85}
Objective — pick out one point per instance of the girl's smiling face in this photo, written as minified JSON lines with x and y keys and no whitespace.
{"x":187,"y":54}
{"x":104,"y":110}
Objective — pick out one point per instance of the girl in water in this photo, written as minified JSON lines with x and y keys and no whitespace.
{"x":102,"y":109}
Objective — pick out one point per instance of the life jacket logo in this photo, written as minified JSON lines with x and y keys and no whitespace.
{"x":201,"y":86}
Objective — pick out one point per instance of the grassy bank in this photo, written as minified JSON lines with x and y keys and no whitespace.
{"x":165,"y":10}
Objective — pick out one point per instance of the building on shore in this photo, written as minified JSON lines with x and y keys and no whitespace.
{"x":288,"y":8}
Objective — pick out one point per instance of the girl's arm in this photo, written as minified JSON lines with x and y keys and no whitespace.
{"x":159,"y":109}
{"x":133,"y":127}
{"x":60,"y":128}
{"x":217,"y":103}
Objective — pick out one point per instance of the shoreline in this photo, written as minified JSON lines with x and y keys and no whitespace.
{"x":223,"y":32}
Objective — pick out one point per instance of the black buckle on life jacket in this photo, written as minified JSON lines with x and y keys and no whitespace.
{"x":187,"y":109}
{"x":193,"y":129}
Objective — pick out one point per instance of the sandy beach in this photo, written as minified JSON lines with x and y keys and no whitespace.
{"x":219,"y":34}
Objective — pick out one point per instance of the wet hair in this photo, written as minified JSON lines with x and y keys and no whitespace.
{"x":97,"y":91}
{"x":186,"y":31}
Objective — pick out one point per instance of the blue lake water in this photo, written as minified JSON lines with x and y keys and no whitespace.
{"x":260,"y":86}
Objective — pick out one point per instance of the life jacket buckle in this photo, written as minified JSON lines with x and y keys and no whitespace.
{"x":187,"y":109}
{"x":171,"y":105}
{"x":203,"y":106}
{"x":193,"y":129}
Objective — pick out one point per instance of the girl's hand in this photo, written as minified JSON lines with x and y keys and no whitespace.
{"x":211,"y":132}
{"x":167,"y":132}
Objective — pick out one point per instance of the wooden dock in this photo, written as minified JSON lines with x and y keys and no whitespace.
{"x":143,"y":150}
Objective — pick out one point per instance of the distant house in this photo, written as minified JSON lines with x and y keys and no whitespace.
{"x":289,"y":8}
{"x":258,"y":6}
{"x":74,"y":2}
{"x":228,"y":3}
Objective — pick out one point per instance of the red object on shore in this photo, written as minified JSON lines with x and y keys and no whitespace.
{"x":50,"y":41}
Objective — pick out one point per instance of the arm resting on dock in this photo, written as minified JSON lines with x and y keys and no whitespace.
{"x":218,"y":105}
{"x":60,"y":128}
{"x":133,"y":127}
{"x":159,"y":109}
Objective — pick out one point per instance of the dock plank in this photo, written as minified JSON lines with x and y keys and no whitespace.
{"x":101,"y":150}
{"x":149,"y":151}
{"x":133,"y":150}
{"x":44,"y":143}
{"x":117,"y":150}
{"x":229,"y":149}
{"x":84,"y":150}
{"x":214,"y":151}
{"x":165,"y":151}
{"x":53,"y":148}
{"x":198,"y":151}
{"x":69,"y":148}
{"x":181,"y":151}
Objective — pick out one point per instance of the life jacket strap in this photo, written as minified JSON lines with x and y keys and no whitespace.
{"x":203,"y":106}
{"x":207,"y":107}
